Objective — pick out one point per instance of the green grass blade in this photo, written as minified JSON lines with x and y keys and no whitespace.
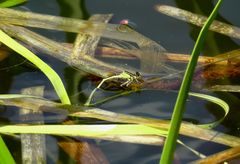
{"x":214,"y":100}
{"x":84,"y":130}
{"x":170,"y":144}
{"x":47,"y":70}
{"x":5,"y":155}
{"x":14,"y":96}
{"x":10,"y":3}
{"x":209,"y":98}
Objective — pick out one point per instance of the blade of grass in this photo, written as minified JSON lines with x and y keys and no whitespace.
{"x":10,"y":3}
{"x":5,"y":155}
{"x":47,"y":70}
{"x":84,"y":130}
{"x":187,"y":129}
{"x":171,"y":140}
{"x":206,"y":97}
{"x":214,"y":100}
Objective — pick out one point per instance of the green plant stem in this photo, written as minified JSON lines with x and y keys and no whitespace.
{"x":171,"y":140}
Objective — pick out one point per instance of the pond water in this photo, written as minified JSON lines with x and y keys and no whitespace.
{"x":174,"y":35}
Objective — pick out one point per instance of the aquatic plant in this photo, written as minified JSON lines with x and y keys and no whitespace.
{"x":50,"y":73}
{"x":170,"y":144}
{"x":47,"y":70}
{"x":132,"y":129}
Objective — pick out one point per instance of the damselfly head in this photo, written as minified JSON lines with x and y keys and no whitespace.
{"x":138,"y":74}
{"x":126,"y":25}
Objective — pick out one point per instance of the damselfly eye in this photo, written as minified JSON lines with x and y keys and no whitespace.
{"x":138,"y":74}
{"x":128,"y":23}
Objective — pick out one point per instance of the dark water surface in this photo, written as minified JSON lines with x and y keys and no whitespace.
{"x":174,"y":35}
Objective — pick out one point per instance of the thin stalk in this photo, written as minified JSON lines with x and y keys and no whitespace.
{"x":171,"y":140}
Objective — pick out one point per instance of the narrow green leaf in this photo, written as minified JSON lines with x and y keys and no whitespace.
{"x":14,"y":96}
{"x":214,"y":100}
{"x":10,"y":3}
{"x":47,"y":70}
{"x":209,"y":98}
{"x":170,"y":144}
{"x":84,"y":130}
{"x":5,"y":155}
